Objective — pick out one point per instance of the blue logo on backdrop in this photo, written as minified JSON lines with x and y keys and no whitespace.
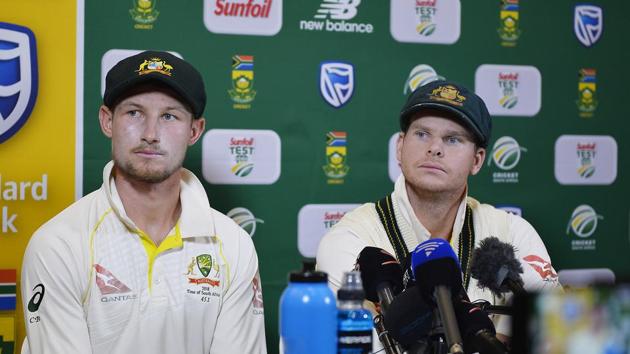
{"x":512,"y":209}
{"x":336,"y":82}
{"x":18,"y":77}
{"x":588,"y":23}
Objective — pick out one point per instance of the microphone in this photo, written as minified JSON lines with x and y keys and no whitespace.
{"x":496,"y":268}
{"x":409,"y":318}
{"x":437,"y":272}
{"x":477,"y":329}
{"x":381,"y":276}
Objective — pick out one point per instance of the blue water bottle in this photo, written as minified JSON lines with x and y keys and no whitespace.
{"x":355,"y":322}
{"x":308,"y":314}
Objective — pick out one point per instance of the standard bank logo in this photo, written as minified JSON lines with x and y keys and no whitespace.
{"x":245,"y":219}
{"x":314,"y":221}
{"x":588,"y":23}
{"x":506,"y":153}
{"x":425,"y":21}
{"x":509,"y":90}
{"x":255,"y":17}
{"x":420,"y":75}
{"x":585,"y":160}
{"x":336,"y":82}
{"x":332,"y":15}
{"x":235,"y":156}
{"x":18,"y":77}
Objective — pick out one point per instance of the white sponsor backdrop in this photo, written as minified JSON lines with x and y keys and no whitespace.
{"x":405,"y":18}
{"x":528,"y":90}
{"x":567,"y":161}
{"x":314,"y":220}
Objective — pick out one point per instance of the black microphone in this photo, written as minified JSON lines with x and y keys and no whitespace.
{"x":477,"y":329}
{"x":438,"y":276}
{"x":496,"y":268}
{"x":381,"y":276}
{"x":409,"y":318}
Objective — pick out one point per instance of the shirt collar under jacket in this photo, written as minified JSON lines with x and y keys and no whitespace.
{"x":196,"y":216}
{"x":412,"y":229}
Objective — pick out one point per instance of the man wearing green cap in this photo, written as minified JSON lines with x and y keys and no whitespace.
{"x":144,"y":264}
{"x":445,"y":130}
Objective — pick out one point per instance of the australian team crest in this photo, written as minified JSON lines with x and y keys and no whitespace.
{"x":336,"y":82}
{"x":242,"y":92}
{"x":336,"y":153}
{"x":154,"y":65}
{"x":18,"y":77}
{"x":588,"y":23}
{"x":207,"y":266}
{"x":587,"y":85}
{"x":509,"y":30}
{"x":144,"y":13}
{"x":448,"y":93}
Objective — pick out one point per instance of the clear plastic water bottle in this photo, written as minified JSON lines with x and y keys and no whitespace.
{"x":354,"y":331}
{"x":308,"y":314}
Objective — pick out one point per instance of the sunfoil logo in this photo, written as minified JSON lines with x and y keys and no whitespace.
{"x":583,"y":222}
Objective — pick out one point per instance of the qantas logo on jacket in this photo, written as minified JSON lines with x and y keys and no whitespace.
{"x":111,"y":288}
{"x":542,"y":267}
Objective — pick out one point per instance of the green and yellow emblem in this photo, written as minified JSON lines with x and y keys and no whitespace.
{"x":509,"y":32}
{"x":154,"y":65}
{"x":144,"y":13}
{"x":204,"y":263}
{"x":336,"y":153}
{"x":242,"y":92}
{"x":587,"y":85}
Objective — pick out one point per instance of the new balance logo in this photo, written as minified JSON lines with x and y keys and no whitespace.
{"x":338,"y":9}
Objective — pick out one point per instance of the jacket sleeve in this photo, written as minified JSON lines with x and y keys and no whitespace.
{"x":241,"y":323}
{"x":52,"y":288}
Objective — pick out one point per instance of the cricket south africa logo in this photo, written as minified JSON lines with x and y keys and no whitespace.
{"x":506,"y":154}
{"x":245,"y":219}
{"x":508,"y":84}
{"x":336,"y":82}
{"x":144,"y":13}
{"x":242,"y":92}
{"x":242,"y":151}
{"x":583,"y":224}
{"x":18,"y":77}
{"x":336,"y":167}
{"x":588,"y":23}
{"x":509,"y":30}
{"x":420,"y":75}
{"x":587,"y":100}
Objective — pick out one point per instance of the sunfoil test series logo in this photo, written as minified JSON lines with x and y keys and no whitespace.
{"x":583,"y":224}
{"x":425,"y":21}
{"x":588,"y":23}
{"x":18,"y":77}
{"x":585,"y":159}
{"x":335,"y":16}
{"x":506,"y":154}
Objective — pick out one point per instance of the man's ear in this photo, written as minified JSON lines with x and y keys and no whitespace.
{"x":105,"y":118}
{"x":399,"y":144}
{"x":479,"y":158}
{"x":196,"y":129}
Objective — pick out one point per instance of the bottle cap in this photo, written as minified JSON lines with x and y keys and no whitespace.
{"x":308,"y":274}
{"x":352,"y":287}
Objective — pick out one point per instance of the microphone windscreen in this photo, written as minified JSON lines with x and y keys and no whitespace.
{"x":377,"y":266}
{"x":492,"y":263}
{"x":435,"y":263}
{"x":408,"y":317}
{"x":472,"y":319}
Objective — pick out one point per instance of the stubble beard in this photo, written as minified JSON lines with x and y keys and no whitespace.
{"x":143,"y":172}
